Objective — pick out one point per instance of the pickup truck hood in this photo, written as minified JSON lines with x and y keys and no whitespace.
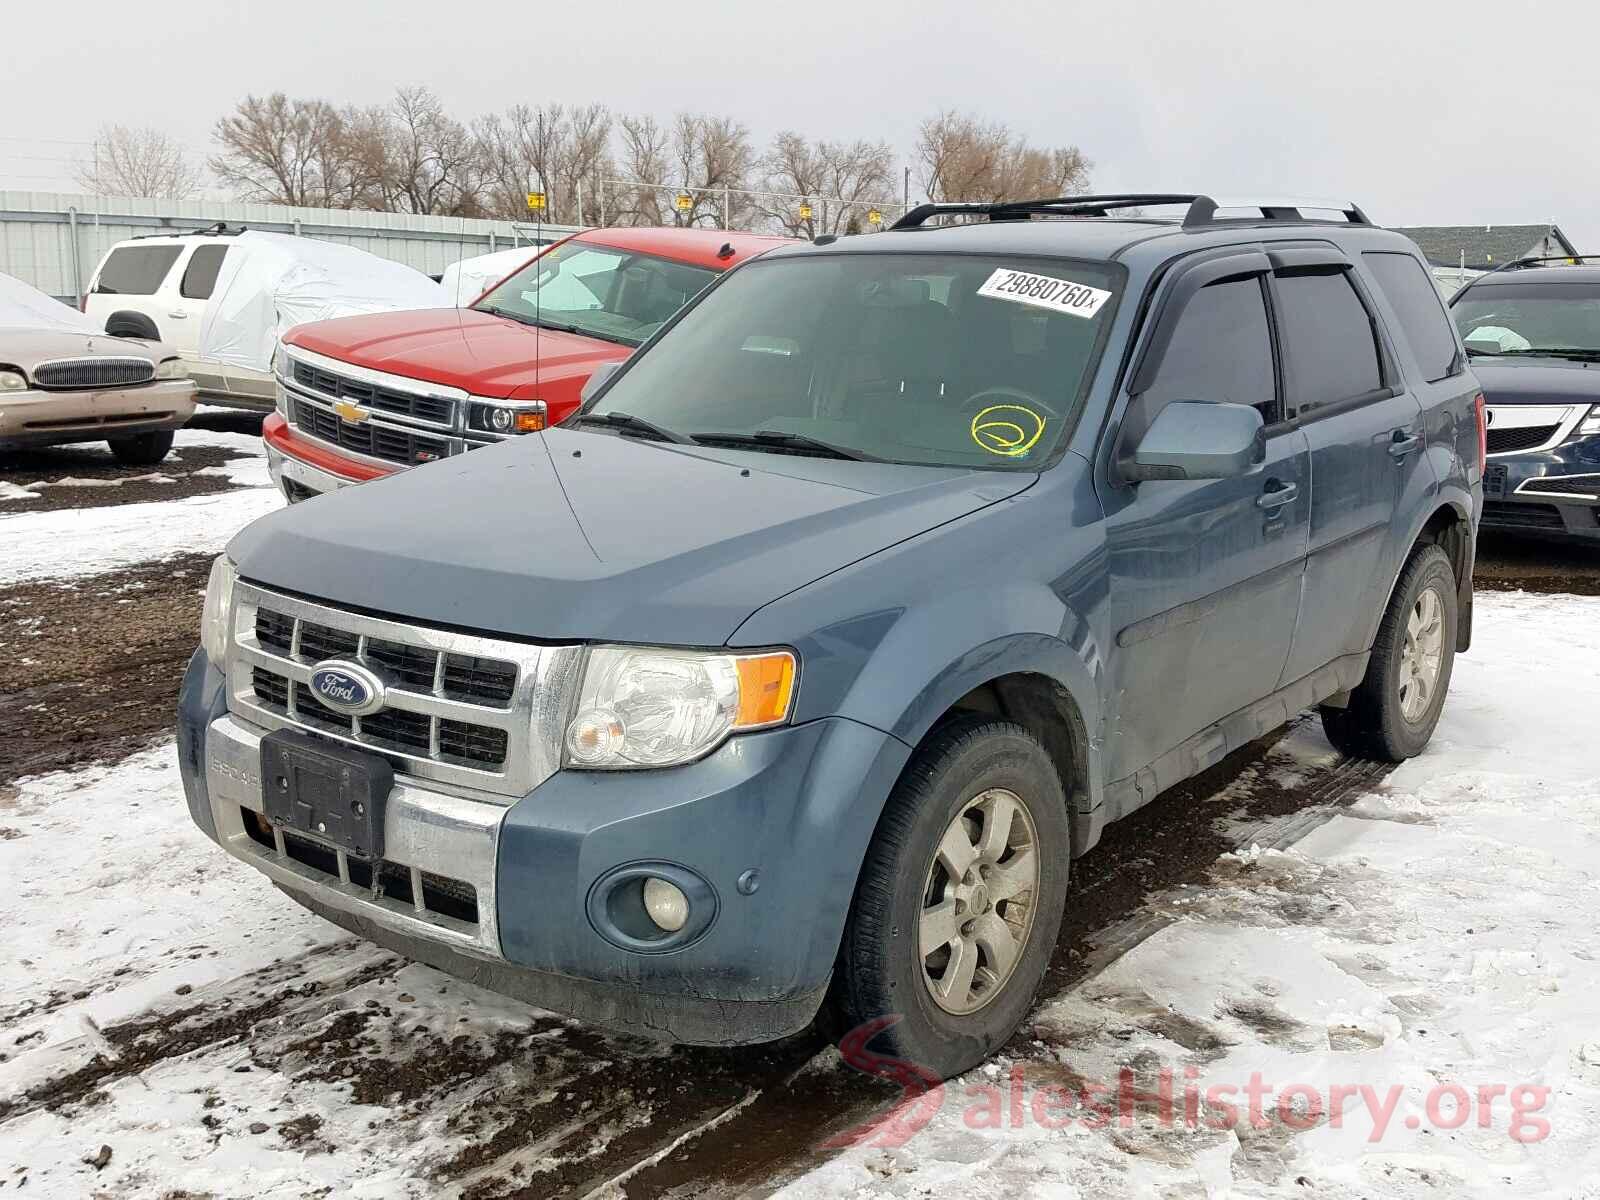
{"x":1537,"y":381}
{"x":461,"y":347}
{"x":579,"y":535}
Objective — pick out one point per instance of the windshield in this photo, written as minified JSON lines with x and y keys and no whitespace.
{"x":947,"y":360}
{"x":1522,"y":318}
{"x":615,"y":295}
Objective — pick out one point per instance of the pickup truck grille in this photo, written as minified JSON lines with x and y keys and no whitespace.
{"x":366,"y":437}
{"x":95,"y":371}
{"x":439,"y":410}
{"x":457,"y":707}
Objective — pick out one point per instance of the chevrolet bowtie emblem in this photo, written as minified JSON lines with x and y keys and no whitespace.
{"x":350,"y":412}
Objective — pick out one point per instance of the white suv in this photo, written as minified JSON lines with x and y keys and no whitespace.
{"x":158,"y":287}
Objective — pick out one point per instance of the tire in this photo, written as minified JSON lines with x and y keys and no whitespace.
{"x":142,"y":450}
{"x":880,"y":972}
{"x":1381,"y":721}
{"x":127,"y":324}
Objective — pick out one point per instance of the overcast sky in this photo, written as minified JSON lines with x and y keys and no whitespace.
{"x":1424,"y":113}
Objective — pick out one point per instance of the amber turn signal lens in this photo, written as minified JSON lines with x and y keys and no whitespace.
{"x":766,"y":685}
{"x":530,"y":422}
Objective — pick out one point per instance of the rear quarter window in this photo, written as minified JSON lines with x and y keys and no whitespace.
{"x":136,"y":270}
{"x":1417,"y":304}
{"x":200,"y":276}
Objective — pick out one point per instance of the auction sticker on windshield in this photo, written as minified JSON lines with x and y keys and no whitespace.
{"x":1044,"y":291}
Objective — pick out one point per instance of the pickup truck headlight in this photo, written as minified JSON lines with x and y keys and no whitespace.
{"x":172,"y":368}
{"x":643,"y":707}
{"x":214,"y":616}
{"x":506,"y":417}
{"x":13,"y":381}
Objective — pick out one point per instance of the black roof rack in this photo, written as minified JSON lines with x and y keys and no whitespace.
{"x":1201,"y":210}
{"x":220,"y":229}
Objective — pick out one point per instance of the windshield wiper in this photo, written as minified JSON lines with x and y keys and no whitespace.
{"x":628,"y":423}
{"x":1574,"y":352}
{"x":777,"y":439}
{"x":494,"y":310}
{"x":565,"y":327}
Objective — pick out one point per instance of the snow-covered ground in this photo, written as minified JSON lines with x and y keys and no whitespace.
{"x":83,"y":541}
{"x":1428,"y":962}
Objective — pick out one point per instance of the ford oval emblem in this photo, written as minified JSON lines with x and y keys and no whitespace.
{"x":347,"y":687}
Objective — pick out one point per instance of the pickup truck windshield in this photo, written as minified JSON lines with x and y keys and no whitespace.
{"x":1560,"y":319}
{"x":615,"y":295}
{"x":946,"y":360}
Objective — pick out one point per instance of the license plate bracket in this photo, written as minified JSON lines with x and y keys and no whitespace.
{"x":327,"y":792}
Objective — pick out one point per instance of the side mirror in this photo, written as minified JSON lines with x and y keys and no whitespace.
{"x":1190,"y":439}
{"x":598,"y":380}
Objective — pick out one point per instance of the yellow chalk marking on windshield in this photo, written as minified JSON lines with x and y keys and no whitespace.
{"x":1013,"y":432}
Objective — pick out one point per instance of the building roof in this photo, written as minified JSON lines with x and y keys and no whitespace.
{"x":1483,"y":247}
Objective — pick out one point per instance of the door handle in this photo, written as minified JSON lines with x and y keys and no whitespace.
{"x":1277,"y":495}
{"x":180,"y":315}
{"x":1402,"y":443}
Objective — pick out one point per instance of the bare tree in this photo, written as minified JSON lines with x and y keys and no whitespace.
{"x":643,"y":161}
{"x":841,"y":182}
{"x":964,"y":157}
{"x":712,"y":158}
{"x":429,"y":161}
{"x":562,"y":152}
{"x":285,"y":152}
{"x":138,"y":162}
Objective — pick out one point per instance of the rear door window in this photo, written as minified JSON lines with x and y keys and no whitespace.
{"x":200,"y":276}
{"x":136,"y":270}
{"x":1421,"y":312}
{"x":1221,"y":351}
{"x":1330,"y":346}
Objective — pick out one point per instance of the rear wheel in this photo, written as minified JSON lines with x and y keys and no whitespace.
{"x":1392,"y":714}
{"x":144,"y":449}
{"x":960,"y":898}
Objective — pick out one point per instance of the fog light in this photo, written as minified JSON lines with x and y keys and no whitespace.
{"x":667,"y":905}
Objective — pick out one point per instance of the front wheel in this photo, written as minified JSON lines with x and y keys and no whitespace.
{"x":960,"y":898}
{"x":1392,"y":714}
{"x":142,"y":450}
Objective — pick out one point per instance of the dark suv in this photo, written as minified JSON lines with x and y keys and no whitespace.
{"x":860,"y":600}
{"x":1533,"y":330}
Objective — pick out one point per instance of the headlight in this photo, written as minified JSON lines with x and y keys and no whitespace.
{"x":214,"y":616}
{"x":641,"y":707}
{"x":1591,"y":423}
{"x":13,"y":381}
{"x":172,"y":368}
{"x":506,"y":417}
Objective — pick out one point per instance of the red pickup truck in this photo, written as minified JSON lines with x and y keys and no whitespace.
{"x":361,"y":397}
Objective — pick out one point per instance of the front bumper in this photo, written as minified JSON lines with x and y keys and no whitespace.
{"x":299,"y":466}
{"x":37,"y":417}
{"x":775,"y":823}
{"x":1553,"y":492}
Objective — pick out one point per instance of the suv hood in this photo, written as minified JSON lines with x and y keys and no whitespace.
{"x":460,"y":347}
{"x":1537,"y":381}
{"x":590,"y":536}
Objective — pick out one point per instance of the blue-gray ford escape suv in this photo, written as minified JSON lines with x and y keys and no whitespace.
{"x":792,"y":672}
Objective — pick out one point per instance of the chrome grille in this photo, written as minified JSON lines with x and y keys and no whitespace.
{"x":387,"y":442}
{"x":438,"y":410}
{"x":97,"y":371}
{"x":458,"y":708}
